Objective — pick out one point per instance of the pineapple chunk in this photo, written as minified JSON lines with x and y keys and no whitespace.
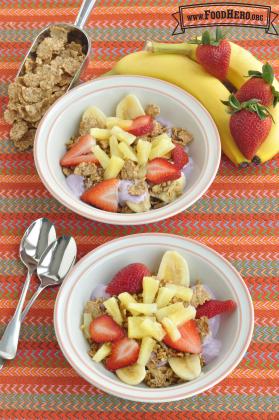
{"x":87,"y":318}
{"x":102,"y":157}
{"x":114,"y":167}
{"x":114,"y":121}
{"x":182,"y":292}
{"x":156,"y":140}
{"x":164,"y":296}
{"x":113,"y":310}
{"x":123,"y":135}
{"x":135,"y":329}
{"x":171,"y":329}
{"x":153,"y":329}
{"x":143,"y":308}
{"x":127,"y":151}
{"x":102,"y":352}
{"x":146,"y":349}
{"x":180,"y":316}
{"x":100,"y":133}
{"x":167,"y":310}
{"x":113,"y":146}
{"x":162,"y":148}
{"x":125,"y":298}
{"x":150,"y":287}
{"x":143,"y":151}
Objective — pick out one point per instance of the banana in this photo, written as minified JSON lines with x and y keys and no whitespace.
{"x":186,"y":368}
{"x":174,"y":269}
{"x":139,"y":207}
{"x":94,"y":114}
{"x":131,"y":375}
{"x":129,"y":108}
{"x":174,"y":190}
{"x":190,"y":76}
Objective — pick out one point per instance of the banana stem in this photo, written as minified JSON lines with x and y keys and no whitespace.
{"x":182,"y":48}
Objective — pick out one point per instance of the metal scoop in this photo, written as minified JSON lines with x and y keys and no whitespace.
{"x":75,"y":34}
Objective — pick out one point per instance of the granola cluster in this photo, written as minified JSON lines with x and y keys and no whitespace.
{"x":46,"y":76}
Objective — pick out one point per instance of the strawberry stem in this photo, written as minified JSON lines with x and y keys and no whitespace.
{"x":182,"y":48}
{"x":253,"y":105}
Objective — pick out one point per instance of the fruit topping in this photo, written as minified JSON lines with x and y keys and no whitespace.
{"x":128,"y":279}
{"x":132,"y":375}
{"x":103,"y":195}
{"x":80,"y":152}
{"x":179,"y":156}
{"x":174,"y":269}
{"x":104,"y":328}
{"x":215,"y":307}
{"x":186,"y":368}
{"x":160,"y":170}
{"x":124,"y":353}
{"x":141,"y":125}
{"x":190,"y":340}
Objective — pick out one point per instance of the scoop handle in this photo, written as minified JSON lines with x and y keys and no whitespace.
{"x":84,"y":13}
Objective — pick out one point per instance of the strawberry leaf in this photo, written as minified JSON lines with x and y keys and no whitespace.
{"x":268,"y":74}
{"x":206,"y":38}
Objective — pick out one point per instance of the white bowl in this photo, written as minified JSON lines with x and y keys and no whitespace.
{"x":101,"y":264}
{"x":62,"y":120}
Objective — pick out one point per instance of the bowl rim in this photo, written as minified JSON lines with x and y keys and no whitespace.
{"x":238,"y":358}
{"x":151,"y":216}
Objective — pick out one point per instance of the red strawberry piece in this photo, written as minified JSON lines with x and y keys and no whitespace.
{"x":124,"y":353}
{"x":141,"y":125}
{"x":104,"y":328}
{"x":80,"y":152}
{"x":215,"y":307}
{"x":179,"y":156}
{"x":190,"y":340}
{"x":103,"y":195}
{"x":128,"y":279}
{"x":161,"y":170}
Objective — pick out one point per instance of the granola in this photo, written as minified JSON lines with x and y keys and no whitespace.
{"x":181,"y":136}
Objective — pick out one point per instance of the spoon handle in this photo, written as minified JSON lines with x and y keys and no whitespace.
{"x":84,"y":13}
{"x":31,"y":301}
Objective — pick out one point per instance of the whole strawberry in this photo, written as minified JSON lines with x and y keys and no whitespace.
{"x":259,"y":87}
{"x":250,"y":124}
{"x":214,"y":54}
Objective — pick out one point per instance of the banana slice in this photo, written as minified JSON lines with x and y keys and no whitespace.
{"x":187,"y":368}
{"x":131,"y":375}
{"x":94,"y":116}
{"x":129,"y":108}
{"x":174,"y":269}
{"x":139,"y":207}
{"x":174,"y":190}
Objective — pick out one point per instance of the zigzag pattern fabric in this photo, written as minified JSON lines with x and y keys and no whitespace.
{"x":237,"y":217}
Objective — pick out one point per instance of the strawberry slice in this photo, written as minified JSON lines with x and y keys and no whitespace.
{"x":141,"y":125}
{"x":124,"y":353}
{"x":103,"y":195}
{"x":128,"y":279}
{"x":190,"y":340}
{"x":80,"y":152}
{"x":161,"y":170}
{"x":179,"y":156}
{"x":104,"y":328}
{"x":215,"y":307}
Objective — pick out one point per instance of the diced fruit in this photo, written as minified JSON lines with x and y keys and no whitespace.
{"x":165,"y":295}
{"x":103,"y":195}
{"x":190,"y":340}
{"x":135,"y":329}
{"x":95,"y":114}
{"x":143,"y":151}
{"x":102,"y":157}
{"x":114,"y":121}
{"x":179,"y":156}
{"x":215,"y":307}
{"x":141,"y":125}
{"x":114,"y":167}
{"x":140,"y":207}
{"x":113,"y":146}
{"x":184,"y":293}
{"x":128,"y":279}
{"x":87,"y":318}
{"x":186,"y":368}
{"x":100,"y":133}
{"x":124,"y":352}
{"x":113,"y":310}
{"x":129,"y":108}
{"x":171,"y":329}
{"x":157,"y":140}
{"x":174,"y":269}
{"x":131,"y":375}
{"x":102,"y":352}
{"x":127,"y":151}
{"x":146,"y":349}
{"x":104,"y":328}
{"x":80,"y":152}
{"x":125,"y":298}
{"x":150,"y":287}
{"x":160,"y":170}
{"x":163,"y":147}
{"x":143,"y":308}
{"x":168,"y":310}
{"x":182,"y":315}
{"x":123,"y":136}
{"x":153,"y":329}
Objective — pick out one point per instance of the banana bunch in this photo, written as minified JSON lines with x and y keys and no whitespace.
{"x":185,"y":72}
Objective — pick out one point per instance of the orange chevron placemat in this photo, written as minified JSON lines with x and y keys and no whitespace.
{"x":237,"y":217}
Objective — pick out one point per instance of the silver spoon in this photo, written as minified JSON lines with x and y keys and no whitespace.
{"x":34,"y":242}
{"x":54,"y":265}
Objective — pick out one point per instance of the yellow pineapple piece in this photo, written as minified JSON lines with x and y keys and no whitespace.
{"x":102,"y":352}
{"x":143,"y":308}
{"x":164,"y":296}
{"x":182,"y":292}
{"x":180,"y":316}
{"x":167,"y":310}
{"x":102,"y":157}
{"x":87,"y":318}
{"x":135,"y":329}
{"x":113,"y":310}
{"x":123,"y":135}
{"x":113,"y":146}
{"x":153,"y":329}
{"x":162,"y":148}
{"x":143,"y":151}
{"x":150,"y":287}
{"x":114,"y":121}
{"x":127,"y":152}
{"x":171,"y":329}
{"x":156,"y":140}
{"x":146,"y":349}
{"x":125,"y":298}
{"x":114,"y":167}
{"x":100,"y":133}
